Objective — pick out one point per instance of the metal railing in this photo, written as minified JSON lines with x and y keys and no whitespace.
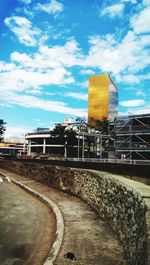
{"x":127,"y":146}
{"x":133,"y":128}
{"x":104,"y":160}
{"x":85,"y":160}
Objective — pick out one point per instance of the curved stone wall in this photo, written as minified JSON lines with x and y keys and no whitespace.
{"x":117,"y":202}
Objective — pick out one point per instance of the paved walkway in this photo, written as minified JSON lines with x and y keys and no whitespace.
{"x":27,"y":227}
{"x":86,"y":235}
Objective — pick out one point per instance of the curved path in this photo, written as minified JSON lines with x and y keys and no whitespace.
{"x":23,"y":222}
{"x":86,"y":235}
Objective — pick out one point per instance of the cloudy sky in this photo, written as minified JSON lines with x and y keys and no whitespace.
{"x":49,"y":48}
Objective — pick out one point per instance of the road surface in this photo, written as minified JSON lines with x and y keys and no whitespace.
{"x":27,"y":227}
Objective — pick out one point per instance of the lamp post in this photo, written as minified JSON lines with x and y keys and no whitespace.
{"x":78,"y":144}
{"x":100,"y":145}
{"x":83,"y":146}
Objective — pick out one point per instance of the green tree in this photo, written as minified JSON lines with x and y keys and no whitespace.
{"x":81,"y":124}
{"x":65,"y":136}
{"x":2,"y":129}
{"x":70,"y":136}
{"x":71,"y":141}
{"x":100,"y":125}
{"x":81,"y":120}
{"x":58,"y":131}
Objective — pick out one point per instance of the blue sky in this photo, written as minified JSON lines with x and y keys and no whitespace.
{"x":49,"y":48}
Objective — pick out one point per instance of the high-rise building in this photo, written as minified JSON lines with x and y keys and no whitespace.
{"x":102,"y":98}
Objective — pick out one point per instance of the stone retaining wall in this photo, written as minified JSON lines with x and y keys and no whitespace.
{"x":117,"y":203}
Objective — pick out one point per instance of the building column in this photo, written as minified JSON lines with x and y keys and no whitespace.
{"x":65,"y":149}
{"x":44,"y":145}
{"x":29,"y":147}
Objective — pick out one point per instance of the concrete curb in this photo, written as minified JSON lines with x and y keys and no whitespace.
{"x":59,"y":221}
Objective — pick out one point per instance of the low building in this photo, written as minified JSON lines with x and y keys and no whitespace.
{"x":83,"y":143}
{"x":42,"y":142}
{"x":12,"y":149}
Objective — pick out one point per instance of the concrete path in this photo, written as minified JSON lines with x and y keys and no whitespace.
{"x":23,"y":222}
{"x":86,"y":235}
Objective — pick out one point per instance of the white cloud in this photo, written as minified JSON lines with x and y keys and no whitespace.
{"x":113,"y":10}
{"x":107,"y":53}
{"x":23,"y":29}
{"x":79,"y":96}
{"x":25,"y":1}
{"x":49,"y":65}
{"x":146,"y":2}
{"x":127,"y":55}
{"x":136,"y":111}
{"x":54,"y":7}
{"x":24,"y":80}
{"x":129,"y":79}
{"x":87,"y":72}
{"x":16,"y":132}
{"x":34,"y":91}
{"x":145,"y":110}
{"x":132,"y":103}
{"x":51,"y":57}
{"x":112,"y":55}
{"x":6,"y":67}
{"x":47,"y":105}
{"x":131,"y":1}
{"x":132,"y":78}
{"x":140,"y":92}
{"x":83,"y":84}
{"x":29,"y":74}
{"x":67,"y":55}
{"x":23,"y":59}
{"x":141,"y":22}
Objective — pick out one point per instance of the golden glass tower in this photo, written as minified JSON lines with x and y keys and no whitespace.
{"x":102,"y":98}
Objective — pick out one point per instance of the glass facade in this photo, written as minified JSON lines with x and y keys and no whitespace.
{"x":112,"y":100}
{"x":102,"y":98}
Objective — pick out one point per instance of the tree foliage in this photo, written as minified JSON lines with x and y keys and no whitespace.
{"x":100,"y":125}
{"x":58,"y":131}
{"x":67,"y":137}
{"x":81,"y":124}
{"x":80,"y":120}
{"x":71,"y":136}
{"x":2,"y":129}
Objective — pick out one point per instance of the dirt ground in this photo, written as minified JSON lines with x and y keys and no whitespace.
{"x":27,"y":227}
